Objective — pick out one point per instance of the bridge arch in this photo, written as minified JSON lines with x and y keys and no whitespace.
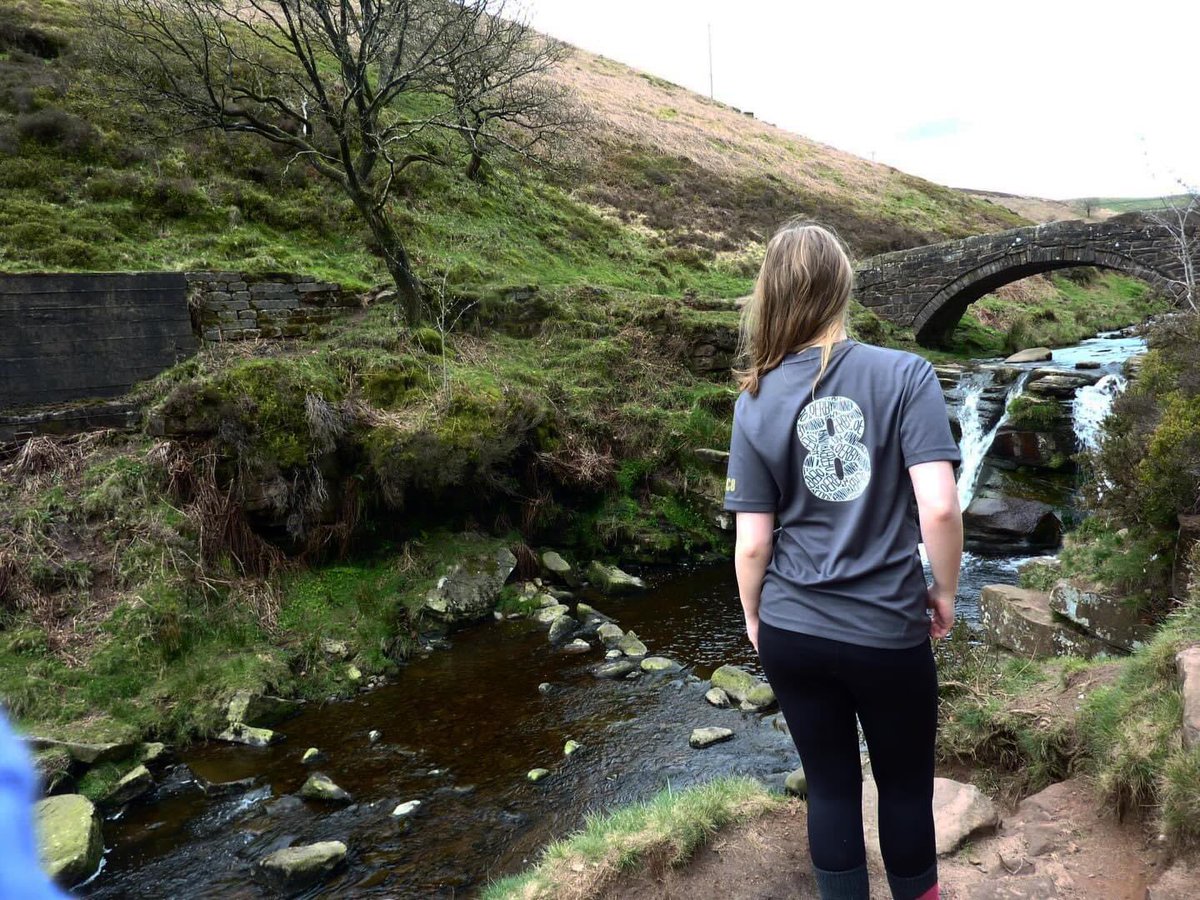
{"x":937,"y":318}
{"x":929,"y":288}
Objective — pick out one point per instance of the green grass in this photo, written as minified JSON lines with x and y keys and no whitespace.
{"x":665,"y":830}
{"x":1131,"y":732}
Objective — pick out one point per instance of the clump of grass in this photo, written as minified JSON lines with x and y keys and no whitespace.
{"x":662,"y":832}
{"x":1131,"y":731}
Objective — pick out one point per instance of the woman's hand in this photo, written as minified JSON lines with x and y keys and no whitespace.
{"x":942,"y":604}
{"x":752,"y":631}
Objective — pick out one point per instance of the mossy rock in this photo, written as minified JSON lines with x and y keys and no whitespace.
{"x":69,"y":837}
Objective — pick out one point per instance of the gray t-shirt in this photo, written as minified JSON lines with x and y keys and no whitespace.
{"x":835,"y":471}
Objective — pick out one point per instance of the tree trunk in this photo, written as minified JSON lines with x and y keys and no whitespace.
{"x":395,"y":257}
{"x":475,"y":165}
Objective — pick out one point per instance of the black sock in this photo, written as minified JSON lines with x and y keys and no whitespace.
{"x":849,"y":885}
{"x":911,"y":888}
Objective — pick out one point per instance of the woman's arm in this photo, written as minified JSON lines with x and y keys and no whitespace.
{"x":942,"y":532}
{"x":751,"y":555}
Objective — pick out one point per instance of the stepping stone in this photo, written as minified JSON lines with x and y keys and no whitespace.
{"x":296,"y":869}
{"x":706,"y":737}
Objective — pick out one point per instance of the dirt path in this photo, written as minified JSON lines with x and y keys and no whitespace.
{"x":1053,"y":846}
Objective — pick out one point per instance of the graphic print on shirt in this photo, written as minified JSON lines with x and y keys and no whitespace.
{"x":838,"y":466}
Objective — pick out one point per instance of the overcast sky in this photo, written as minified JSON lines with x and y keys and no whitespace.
{"x":1053,"y":98}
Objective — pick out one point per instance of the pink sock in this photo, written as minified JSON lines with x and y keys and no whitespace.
{"x":931,"y":894}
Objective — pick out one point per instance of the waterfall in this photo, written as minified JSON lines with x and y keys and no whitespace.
{"x":1091,"y":407}
{"x":975,"y":441}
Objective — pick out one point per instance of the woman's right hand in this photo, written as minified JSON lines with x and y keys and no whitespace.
{"x":942,"y":604}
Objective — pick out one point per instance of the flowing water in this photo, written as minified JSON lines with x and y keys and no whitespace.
{"x":462,"y":726}
{"x":976,"y":439}
{"x":1091,"y":407}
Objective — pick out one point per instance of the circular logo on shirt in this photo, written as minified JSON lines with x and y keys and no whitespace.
{"x":838,"y":466}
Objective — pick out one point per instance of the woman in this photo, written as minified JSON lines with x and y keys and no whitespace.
{"x":837,"y":440}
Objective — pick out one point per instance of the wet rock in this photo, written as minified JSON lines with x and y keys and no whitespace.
{"x":611,"y":580}
{"x":70,"y":843}
{"x":561,"y":629}
{"x":717,"y":697}
{"x":1031,"y":355}
{"x":558,"y":568}
{"x":1020,"y":620}
{"x":750,"y":692}
{"x":779,"y":723}
{"x":796,"y":783}
{"x":321,"y":787}
{"x":579,"y":645}
{"x":133,"y":784}
{"x":617,"y":668}
{"x":631,"y":645}
{"x":760,"y":697}
{"x":706,"y":737}
{"x":545,"y":687}
{"x":312,"y":756}
{"x":260,"y":710}
{"x":88,"y":753}
{"x":1012,"y":522}
{"x":296,"y":869}
{"x":467,"y":591}
{"x":610,"y":633}
{"x":1021,"y":448}
{"x":570,"y":747}
{"x":542,"y":601}
{"x":1109,"y":618}
{"x":537,"y":774}
{"x":406,"y":809}
{"x":1187,"y":664}
{"x":614,"y":653}
{"x":217,"y":789}
{"x":660,"y":664}
{"x":1088,"y":364}
{"x":374,"y":736}
{"x":250,"y":736}
{"x":153,"y":752}
{"x":586,"y":609}
{"x":547,"y":614}
{"x":1058,"y":384}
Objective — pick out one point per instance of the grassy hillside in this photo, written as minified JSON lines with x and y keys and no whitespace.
{"x":670,"y":192}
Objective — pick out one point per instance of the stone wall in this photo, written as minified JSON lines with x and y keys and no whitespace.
{"x":231,"y":306}
{"x":66,"y":337}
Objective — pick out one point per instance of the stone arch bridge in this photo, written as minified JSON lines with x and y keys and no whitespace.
{"x":929,"y":288}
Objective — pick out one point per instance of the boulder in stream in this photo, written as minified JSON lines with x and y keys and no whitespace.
{"x":706,"y":737}
{"x":467,"y":590}
{"x":561,"y":629}
{"x":1031,"y":355}
{"x":612,"y":580}
{"x":312,"y":757}
{"x":570,"y":747}
{"x":1012,"y":522}
{"x":660,"y":665}
{"x":320,"y":786}
{"x":631,"y":645}
{"x":717,"y":697}
{"x":296,"y":869}
{"x":610,"y":633}
{"x":249,"y":735}
{"x":617,"y":668}
{"x":750,"y":692}
{"x":70,"y":843}
{"x":537,"y":774}
{"x":579,"y":645}
{"x":406,"y":809}
{"x":559,"y":569}
{"x":547,"y":614}
{"x":133,"y":784}
{"x":260,"y":710}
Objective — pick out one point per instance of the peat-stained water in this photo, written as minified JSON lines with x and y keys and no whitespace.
{"x":461,"y":728}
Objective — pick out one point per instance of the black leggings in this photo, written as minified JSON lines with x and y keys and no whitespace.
{"x":821,"y":684}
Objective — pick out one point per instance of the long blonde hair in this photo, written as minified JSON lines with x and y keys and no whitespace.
{"x":801,"y":297}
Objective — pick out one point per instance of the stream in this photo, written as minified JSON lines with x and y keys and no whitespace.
{"x":462,"y":726}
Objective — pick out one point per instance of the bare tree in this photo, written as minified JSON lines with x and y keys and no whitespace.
{"x":502,"y":97}
{"x":354,"y":88}
{"x":1180,"y":218}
